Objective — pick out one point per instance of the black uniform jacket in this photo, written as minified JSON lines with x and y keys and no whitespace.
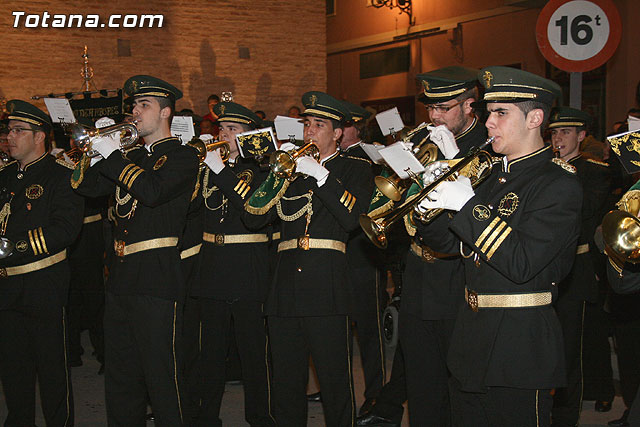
{"x":594,"y":177}
{"x":521,"y":229}
{"x":363,"y":257}
{"x":315,"y":282}
{"x":46,"y":216}
{"x":237,"y":270}
{"x":435,"y":290}
{"x":90,"y":243}
{"x":161,"y":182}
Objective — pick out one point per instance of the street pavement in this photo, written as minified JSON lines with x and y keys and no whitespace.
{"x":88,"y":390}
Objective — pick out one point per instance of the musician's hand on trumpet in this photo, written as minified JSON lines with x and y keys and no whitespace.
{"x":107,"y":144}
{"x":309,"y":166}
{"x":450,"y":195}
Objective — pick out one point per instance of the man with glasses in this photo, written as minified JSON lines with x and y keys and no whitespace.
{"x":41,"y":216}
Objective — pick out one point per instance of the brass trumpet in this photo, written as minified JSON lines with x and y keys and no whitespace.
{"x":478,"y":161}
{"x":74,"y":153}
{"x":621,"y":231}
{"x":283,"y":163}
{"x":83,"y":136}
{"x":393,"y":186}
{"x":203,"y":148}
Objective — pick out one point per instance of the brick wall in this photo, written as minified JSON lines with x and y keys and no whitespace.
{"x":197,"y":49}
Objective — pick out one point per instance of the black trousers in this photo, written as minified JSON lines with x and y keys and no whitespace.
{"x":368,"y":320}
{"x":143,"y":352}
{"x":394,"y":393}
{"x":597,"y":372}
{"x":628,"y":350}
{"x":326,"y":339}
{"x":500,"y":407}
{"x":206,"y":373}
{"x":567,"y":401}
{"x":86,"y":306}
{"x":32,"y":346}
{"x":425,"y":344}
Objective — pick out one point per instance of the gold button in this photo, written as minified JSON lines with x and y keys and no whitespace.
{"x":502,"y":180}
{"x":125,"y":232}
{"x":20,"y":175}
{"x":299,"y":270}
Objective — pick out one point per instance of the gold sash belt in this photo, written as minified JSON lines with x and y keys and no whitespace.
{"x":226,"y":239}
{"x":305,"y":243}
{"x":534,"y":299}
{"x":34,"y":266}
{"x":92,"y":218}
{"x":427,"y":254}
{"x":582,"y":249}
{"x":191,"y":251}
{"x":122,"y":249}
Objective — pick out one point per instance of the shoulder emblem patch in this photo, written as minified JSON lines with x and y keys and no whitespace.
{"x":481,"y":212}
{"x":564,"y":165}
{"x":246,"y":175}
{"x":160,"y":162}
{"x":508,"y":204}
{"x":34,"y":191}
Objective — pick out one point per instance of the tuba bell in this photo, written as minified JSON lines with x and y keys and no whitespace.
{"x":477,"y":162}
{"x":203,"y":148}
{"x":83,"y":136}
{"x":283,"y":163}
{"x":621,"y":230}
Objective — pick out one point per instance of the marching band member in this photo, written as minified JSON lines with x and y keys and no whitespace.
{"x":41,"y":216}
{"x":145,"y":290}
{"x":308,"y":304}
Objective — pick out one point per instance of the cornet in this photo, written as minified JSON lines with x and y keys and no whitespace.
{"x":283,"y":163}
{"x":83,"y":136}
{"x":477,"y":162}
{"x":393,"y":186}
{"x":621,"y":231}
{"x":203,"y":148}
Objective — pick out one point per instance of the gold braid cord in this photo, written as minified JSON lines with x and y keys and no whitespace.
{"x":306,"y":209}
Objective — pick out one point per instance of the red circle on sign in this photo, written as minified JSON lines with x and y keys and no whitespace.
{"x":615,"y":33}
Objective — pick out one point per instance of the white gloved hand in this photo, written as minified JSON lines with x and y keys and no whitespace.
{"x":207,"y":138}
{"x":105,"y":145}
{"x":287,"y":146}
{"x":451,"y":195}
{"x":444,"y":139}
{"x":103,"y":122}
{"x":309,"y":166}
{"x":214,"y":161}
{"x":433,"y":171}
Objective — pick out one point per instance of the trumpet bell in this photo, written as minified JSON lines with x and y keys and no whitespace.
{"x":374,"y":231}
{"x":82,"y":135}
{"x":391,"y":187}
{"x":203,"y":148}
{"x":283,"y":163}
{"x":621,"y":234}
{"x":6,"y":247}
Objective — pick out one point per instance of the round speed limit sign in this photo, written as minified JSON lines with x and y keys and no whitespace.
{"x":578,"y":35}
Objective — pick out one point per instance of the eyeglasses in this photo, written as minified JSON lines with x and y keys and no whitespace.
{"x":19,"y":130}
{"x":442,"y":108}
